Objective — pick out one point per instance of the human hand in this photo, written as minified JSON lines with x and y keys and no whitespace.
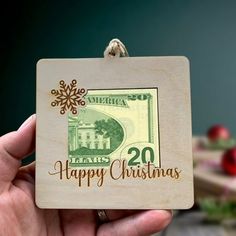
{"x":20,"y":216}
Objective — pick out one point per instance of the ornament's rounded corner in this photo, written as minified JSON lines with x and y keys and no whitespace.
{"x":39,"y":203}
{"x":189,"y":204}
{"x":40,"y":62}
{"x":185,"y":60}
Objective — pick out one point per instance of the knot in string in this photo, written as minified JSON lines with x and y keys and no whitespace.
{"x":115,"y":49}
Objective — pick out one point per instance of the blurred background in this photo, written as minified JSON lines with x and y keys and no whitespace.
{"x":204,"y":31}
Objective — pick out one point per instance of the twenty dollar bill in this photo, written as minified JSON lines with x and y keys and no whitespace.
{"x":115,"y":124}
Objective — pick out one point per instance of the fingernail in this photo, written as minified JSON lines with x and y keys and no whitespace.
{"x":26,"y":122}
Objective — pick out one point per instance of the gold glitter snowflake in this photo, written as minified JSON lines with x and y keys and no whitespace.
{"x":69,"y":97}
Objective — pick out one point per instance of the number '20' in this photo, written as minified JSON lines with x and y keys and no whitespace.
{"x":144,"y":153}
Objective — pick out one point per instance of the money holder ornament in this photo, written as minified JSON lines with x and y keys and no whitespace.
{"x":114,"y":132}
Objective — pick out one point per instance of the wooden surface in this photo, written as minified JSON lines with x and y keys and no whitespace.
{"x":171,"y":76}
{"x":209,"y":178}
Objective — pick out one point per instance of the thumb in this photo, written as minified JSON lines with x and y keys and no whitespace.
{"x":14,"y":147}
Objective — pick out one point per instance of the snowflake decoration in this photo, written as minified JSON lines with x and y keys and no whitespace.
{"x":68,"y":97}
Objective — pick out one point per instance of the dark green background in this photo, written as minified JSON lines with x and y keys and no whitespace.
{"x":204,"y":31}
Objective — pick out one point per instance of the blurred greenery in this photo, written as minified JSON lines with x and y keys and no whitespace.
{"x":220,"y":144}
{"x":217,"y":210}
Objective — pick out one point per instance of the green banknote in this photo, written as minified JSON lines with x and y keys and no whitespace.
{"x":115,"y":124}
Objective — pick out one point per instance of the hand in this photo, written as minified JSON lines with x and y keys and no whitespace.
{"x":20,"y":216}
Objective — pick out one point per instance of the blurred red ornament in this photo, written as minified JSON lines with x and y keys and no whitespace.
{"x":228,"y":161}
{"x":217,"y":132}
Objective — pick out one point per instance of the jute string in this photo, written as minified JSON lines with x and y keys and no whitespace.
{"x":115,"y":49}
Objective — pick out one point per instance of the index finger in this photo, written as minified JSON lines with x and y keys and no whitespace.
{"x":14,"y":147}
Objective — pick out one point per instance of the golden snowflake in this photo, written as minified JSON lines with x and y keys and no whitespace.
{"x":69,"y":97}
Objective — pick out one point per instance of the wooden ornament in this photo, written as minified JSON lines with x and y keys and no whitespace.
{"x":114,"y":133}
